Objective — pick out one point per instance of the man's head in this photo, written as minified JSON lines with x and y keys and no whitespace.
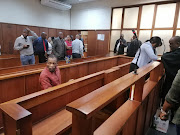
{"x":122,"y":36}
{"x":43,"y":35}
{"x":77,"y":36}
{"x":60,"y":35}
{"x":156,"y":41}
{"x":174,"y":43}
{"x":25,"y":33}
{"x":52,"y":63}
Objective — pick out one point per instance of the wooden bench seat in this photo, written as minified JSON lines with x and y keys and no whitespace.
{"x":58,"y":123}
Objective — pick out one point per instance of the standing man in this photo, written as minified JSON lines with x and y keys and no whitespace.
{"x":59,"y":48}
{"x":77,"y":48}
{"x":120,"y":45}
{"x":41,"y":47}
{"x":51,"y":75}
{"x":133,"y":47}
{"x":24,"y":44}
{"x":171,"y":62}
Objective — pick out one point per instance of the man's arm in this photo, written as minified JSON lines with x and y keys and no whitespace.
{"x":54,"y":48}
{"x":34,"y":35}
{"x":81,"y":48}
{"x":44,"y":82}
{"x":17,"y":45}
{"x":124,"y":43}
{"x":116,"y":46}
{"x":150,"y":53}
{"x":173,"y":96}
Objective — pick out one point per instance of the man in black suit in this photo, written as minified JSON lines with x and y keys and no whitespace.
{"x":171,"y":62}
{"x":120,"y":45}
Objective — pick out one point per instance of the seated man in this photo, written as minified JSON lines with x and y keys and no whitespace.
{"x":51,"y":75}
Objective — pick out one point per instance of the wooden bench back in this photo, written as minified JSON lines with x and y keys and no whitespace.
{"x":44,"y":103}
{"x":85,"y":108}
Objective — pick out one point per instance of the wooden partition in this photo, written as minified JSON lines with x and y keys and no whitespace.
{"x":133,"y":117}
{"x":47,"y":107}
{"x":14,"y":85}
{"x":9,"y":33}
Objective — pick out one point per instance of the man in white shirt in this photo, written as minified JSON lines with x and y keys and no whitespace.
{"x":77,"y":48}
{"x":145,"y":53}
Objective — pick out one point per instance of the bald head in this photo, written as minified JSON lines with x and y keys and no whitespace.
{"x":43,"y":35}
{"x":60,"y":35}
{"x":122,"y":36}
{"x":77,"y":36}
{"x":174,"y":43}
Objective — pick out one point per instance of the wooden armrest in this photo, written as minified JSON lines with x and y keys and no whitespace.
{"x":16,"y":117}
{"x":15,"y":111}
{"x":118,"y":119}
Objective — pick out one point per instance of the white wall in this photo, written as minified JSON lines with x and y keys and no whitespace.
{"x":97,"y":15}
{"x":31,"y":12}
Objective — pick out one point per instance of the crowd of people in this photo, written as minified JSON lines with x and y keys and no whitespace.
{"x":146,"y":53}
{"x":40,"y":46}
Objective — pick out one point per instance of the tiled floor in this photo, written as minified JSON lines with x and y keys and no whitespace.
{"x":171,"y":131}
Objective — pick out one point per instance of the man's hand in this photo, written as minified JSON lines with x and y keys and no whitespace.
{"x":46,"y":54}
{"x":163,"y":116}
{"x":25,"y":46}
{"x":28,"y":29}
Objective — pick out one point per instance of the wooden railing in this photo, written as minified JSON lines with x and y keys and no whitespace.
{"x":133,"y":117}
{"x":29,"y":114}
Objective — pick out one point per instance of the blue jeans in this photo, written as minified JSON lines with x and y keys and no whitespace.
{"x":178,"y":129}
{"x":27,"y":59}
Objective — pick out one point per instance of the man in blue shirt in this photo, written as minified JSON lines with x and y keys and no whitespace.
{"x":41,"y":47}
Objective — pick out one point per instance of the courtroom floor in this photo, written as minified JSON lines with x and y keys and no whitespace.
{"x":171,"y":131}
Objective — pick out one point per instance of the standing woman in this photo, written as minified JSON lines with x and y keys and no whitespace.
{"x":68,"y":46}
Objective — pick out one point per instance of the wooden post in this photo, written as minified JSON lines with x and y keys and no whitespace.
{"x":155,"y":74}
{"x":138,"y":91}
{"x":16,"y":117}
{"x":81,"y":126}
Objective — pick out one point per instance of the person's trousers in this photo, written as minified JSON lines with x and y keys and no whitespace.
{"x":178,"y":129}
{"x":76,"y":55}
{"x":132,"y":67}
{"x":27,"y":59}
{"x":42,"y":58}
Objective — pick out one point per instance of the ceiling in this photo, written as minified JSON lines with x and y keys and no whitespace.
{"x":75,"y":1}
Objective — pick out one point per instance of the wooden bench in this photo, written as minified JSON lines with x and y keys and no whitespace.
{"x":46,"y":109}
{"x":12,"y":61}
{"x":130,"y":115}
{"x":26,"y":82}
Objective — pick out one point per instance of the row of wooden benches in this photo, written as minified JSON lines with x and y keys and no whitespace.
{"x":20,"y":83}
{"x":44,"y":112}
{"x":56,"y":98}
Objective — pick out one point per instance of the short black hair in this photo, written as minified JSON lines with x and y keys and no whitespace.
{"x":156,"y":40}
{"x":52,"y":56}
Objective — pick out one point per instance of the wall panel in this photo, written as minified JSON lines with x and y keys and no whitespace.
{"x":52,"y":32}
{"x":9,"y":36}
{"x":42,"y":29}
